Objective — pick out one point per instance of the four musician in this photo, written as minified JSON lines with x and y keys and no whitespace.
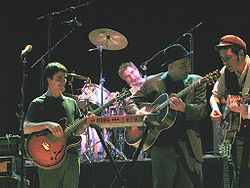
{"x":175,"y":150}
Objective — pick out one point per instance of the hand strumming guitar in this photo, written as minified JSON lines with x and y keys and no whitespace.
{"x":55,"y":128}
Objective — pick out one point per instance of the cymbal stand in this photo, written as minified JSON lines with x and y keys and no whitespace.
{"x":101,"y":79}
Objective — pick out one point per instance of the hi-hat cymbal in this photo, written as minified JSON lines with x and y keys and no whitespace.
{"x":108,"y":39}
{"x":78,"y":76}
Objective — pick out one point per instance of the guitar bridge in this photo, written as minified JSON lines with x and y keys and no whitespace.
{"x":46,"y":146}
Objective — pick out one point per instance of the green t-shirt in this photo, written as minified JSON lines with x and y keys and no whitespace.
{"x":47,"y":108}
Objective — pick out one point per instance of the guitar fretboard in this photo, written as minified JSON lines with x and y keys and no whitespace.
{"x":181,"y":93}
{"x":78,"y":123}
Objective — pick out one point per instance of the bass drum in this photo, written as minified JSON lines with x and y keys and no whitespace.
{"x":91,"y":147}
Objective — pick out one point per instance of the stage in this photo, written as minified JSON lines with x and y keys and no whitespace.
{"x":134,"y":175}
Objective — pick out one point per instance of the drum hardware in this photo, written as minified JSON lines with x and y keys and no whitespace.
{"x":75,"y":76}
{"x":90,"y":155}
{"x":97,"y":37}
{"x":116,"y":153}
{"x":91,"y":147}
{"x":108,"y":39}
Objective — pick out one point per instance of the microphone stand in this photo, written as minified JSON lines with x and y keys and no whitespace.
{"x":51,"y":49}
{"x":191,"y":48}
{"x":143,"y":66}
{"x":49,"y":17}
{"x":20,"y":116}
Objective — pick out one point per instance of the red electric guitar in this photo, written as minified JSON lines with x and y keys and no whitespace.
{"x":48,"y":151}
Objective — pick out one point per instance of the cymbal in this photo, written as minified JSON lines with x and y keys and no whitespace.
{"x":77,"y":76}
{"x":108,"y":39}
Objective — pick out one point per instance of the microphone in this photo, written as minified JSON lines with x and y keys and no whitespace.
{"x":26,"y":50}
{"x":73,"y":22}
{"x":143,"y":66}
{"x":187,"y":34}
{"x":195,"y":27}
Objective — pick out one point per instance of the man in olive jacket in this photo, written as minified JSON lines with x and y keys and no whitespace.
{"x":176,"y":151}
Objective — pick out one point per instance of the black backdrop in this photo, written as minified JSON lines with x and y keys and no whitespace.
{"x":149,"y":26}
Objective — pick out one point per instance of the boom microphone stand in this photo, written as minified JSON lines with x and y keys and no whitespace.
{"x":143,"y":66}
{"x":51,"y":49}
{"x":49,"y":18}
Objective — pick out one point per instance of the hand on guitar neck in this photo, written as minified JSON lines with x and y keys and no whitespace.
{"x":142,"y":111}
{"x":176,"y":103}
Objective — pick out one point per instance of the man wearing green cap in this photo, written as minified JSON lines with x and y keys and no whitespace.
{"x":234,"y":81}
{"x":176,"y":153}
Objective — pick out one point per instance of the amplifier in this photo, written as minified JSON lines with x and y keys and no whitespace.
{"x":10,"y":166}
{"x":15,"y":182}
{"x":9,"y":145}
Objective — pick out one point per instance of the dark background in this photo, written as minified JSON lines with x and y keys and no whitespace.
{"x":149,"y":26}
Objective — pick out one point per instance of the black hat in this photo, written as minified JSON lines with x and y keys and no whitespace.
{"x":174,"y":52}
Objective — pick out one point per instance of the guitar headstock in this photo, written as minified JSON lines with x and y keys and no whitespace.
{"x":212,"y":77}
{"x":122,"y":95}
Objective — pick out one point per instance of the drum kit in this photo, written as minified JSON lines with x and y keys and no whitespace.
{"x":94,"y":95}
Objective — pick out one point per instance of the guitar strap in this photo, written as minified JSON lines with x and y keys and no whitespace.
{"x":245,"y":88}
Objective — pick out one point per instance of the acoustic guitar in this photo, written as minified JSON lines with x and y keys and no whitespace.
{"x":232,"y":124}
{"x":165,"y":115}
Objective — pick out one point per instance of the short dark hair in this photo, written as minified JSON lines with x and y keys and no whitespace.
{"x":123,"y":66}
{"x":53,"y":68}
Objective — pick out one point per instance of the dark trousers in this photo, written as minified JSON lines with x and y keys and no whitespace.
{"x":66,"y":176}
{"x":169,"y":170}
{"x":241,"y":156}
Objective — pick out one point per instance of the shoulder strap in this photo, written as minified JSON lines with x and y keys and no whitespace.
{"x":245,"y":89}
